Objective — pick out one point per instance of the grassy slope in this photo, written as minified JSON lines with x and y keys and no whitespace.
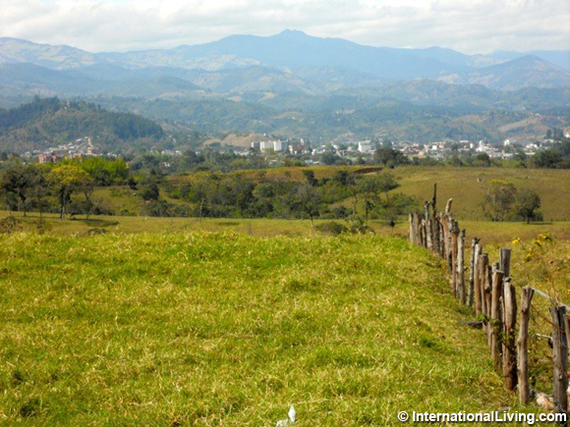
{"x":467,"y":187}
{"x":229,"y":329}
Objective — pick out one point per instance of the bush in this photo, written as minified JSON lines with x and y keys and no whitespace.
{"x":10,"y":224}
{"x":332,"y":227}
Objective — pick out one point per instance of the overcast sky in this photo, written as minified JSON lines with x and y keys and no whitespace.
{"x":470,"y":26}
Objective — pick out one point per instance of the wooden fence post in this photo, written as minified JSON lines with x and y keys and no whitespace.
{"x":522,"y":345}
{"x":560,"y":357}
{"x":505,"y":261}
{"x":415,"y":229}
{"x":461,"y":294}
{"x":496,"y":326}
{"x":567,"y":327}
{"x":488,"y":290}
{"x":482,"y":279}
{"x":423,"y":232}
{"x":428,"y":232}
{"x":435,"y":228}
{"x":442,"y":234}
{"x":445,"y":238}
{"x":454,"y":231}
{"x":475,"y":294}
{"x":509,"y":347}
{"x":448,"y":207}
{"x":473,"y":263}
{"x":436,"y":241}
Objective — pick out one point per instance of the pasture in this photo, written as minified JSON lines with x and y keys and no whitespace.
{"x":201,"y":328}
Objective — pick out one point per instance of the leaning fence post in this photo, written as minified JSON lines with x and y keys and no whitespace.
{"x":509,"y":348}
{"x":496,"y":327}
{"x":522,"y":345}
{"x":560,"y":357}
{"x":461,"y":267}
{"x":477,"y":277}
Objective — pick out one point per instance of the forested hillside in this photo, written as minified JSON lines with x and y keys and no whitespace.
{"x":51,"y":121}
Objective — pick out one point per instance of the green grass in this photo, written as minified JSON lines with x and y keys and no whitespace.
{"x":467,"y":187}
{"x":228,"y":329}
{"x":489,"y":232}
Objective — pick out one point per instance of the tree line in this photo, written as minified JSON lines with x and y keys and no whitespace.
{"x":49,"y":188}
{"x":68,"y":188}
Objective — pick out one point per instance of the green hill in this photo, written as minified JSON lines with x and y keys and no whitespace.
{"x":227,"y":329}
{"x":49,"y":122}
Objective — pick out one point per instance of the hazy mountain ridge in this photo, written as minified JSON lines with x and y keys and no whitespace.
{"x":331,"y":63}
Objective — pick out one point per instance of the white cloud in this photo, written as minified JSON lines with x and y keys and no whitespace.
{"x":469,"y":26}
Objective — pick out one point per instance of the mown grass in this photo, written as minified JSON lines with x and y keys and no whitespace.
{"x":228,"y":329}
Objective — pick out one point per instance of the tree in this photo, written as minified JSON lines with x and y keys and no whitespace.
{"x":329,"y":158}
{"x":40,"y":188}
{"x":18,"y":179}
{"x":547,"y":159}
{"x":387,"y":182}
{"x":527,"y":202}
{"x":371,"y":186}
{"x":306,"y":200}
{"x":482,"y":159}
{"x":499,"y":200}
{"x":65,"y":180}
{"x":390,"y":157}
{"x":398,"y":204}
{"x":151,"y":192}
{"x":310,"y":177}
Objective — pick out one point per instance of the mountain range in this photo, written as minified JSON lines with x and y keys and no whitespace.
{"x":289,"y":61}
{"x":294,"y":84}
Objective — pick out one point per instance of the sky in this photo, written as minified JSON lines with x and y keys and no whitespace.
{"x":469,"y":26}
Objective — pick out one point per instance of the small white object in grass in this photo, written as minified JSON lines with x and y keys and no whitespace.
{"x":292,"y":413}
{"x":291,"y":420}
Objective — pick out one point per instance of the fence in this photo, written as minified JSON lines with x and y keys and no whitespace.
{"x":493,"y":297}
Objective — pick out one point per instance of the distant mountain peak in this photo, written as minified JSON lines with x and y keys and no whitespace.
{"x":289,"y":33}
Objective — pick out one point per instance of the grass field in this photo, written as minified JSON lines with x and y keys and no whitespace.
{"x":228,"y":329}
{"x":489,"y":232}
{"x":467,"y":187}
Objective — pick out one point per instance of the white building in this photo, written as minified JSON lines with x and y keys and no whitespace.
{"x":364,"y":146}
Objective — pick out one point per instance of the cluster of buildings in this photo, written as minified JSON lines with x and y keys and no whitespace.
{"x":348,"y":149}
{"x":82,"y":147}
{"x":438,"y":150}
{"x":294,"y":147}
